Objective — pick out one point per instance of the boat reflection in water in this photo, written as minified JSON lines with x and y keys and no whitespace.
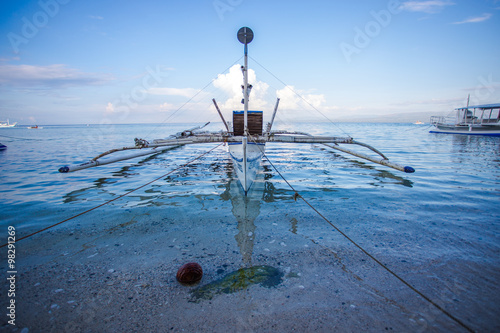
{"x":246,"y":208}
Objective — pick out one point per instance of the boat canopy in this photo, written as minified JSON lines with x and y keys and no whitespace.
{"x":484,"y":106}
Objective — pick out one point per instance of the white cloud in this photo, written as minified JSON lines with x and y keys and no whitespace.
{"x":292,"y":99}
{"x":429,"y":7}
{"x":9,"y":59}
{"x":167,"y":107}
{"x":110,"y":108}
{"x":185,"y":92}
{"x":231,"y":84}
{"x":52,"y":76}
{"x":477,"y":19}
{"x":433,"y":101}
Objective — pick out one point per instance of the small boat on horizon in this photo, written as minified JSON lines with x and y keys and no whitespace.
{"x":7,"y":124}
{"x":35,"y":127}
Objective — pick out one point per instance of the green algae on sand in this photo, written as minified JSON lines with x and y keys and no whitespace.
{"x":241,"y":279}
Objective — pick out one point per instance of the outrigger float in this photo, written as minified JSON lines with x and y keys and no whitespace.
{"x":245,"y":137}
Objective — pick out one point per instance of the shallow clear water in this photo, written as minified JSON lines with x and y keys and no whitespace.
{"x":438,"y":227}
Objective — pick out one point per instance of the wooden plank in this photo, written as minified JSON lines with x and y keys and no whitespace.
{"x":255,"y":123}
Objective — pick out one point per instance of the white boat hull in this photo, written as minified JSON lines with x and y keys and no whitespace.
{"x":247,"y":163}
{"x":468,"y":130}
{"x":470,"y":120}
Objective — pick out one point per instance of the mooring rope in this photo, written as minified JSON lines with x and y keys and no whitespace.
{"x":119,"y":197}
{"x":16,"y":138}
{"x":301,"y":97}
{"x":297,"y":194}
{"x":192,"y":97}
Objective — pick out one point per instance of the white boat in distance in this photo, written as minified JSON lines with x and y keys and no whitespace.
{"x":6,"y":124}
{"x":470,"y":120}
{"x":245,"y":137}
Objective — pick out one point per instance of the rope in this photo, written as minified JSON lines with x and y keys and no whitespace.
{"x":302,"y":98}
{"x":119,"y":197}
{"x":297,"y":194}
{"x":192,"y":97}
{"x":13,"y":137}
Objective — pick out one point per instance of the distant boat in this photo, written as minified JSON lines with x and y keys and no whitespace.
{"x":3,"y":147}
{"x":34,"y":127}
{"x":470,"y":120}
{"x":418,"y":122}
{"x":6,"y":124}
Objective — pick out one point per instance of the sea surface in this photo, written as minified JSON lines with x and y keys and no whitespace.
{"x":439,"y":228}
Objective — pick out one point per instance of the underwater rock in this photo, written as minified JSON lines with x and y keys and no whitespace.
{"x":241,"y":279}
{"x":189,"y":273}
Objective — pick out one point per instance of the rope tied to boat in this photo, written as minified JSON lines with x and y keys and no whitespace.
{"x":118,"y":197}
{"x":298,"y":195}
{"x":141,"y":142}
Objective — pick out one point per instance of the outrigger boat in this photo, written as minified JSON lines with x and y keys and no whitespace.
{"x":472,"y":120}
{"x":245,"y":137}
{"x":7,"y":124}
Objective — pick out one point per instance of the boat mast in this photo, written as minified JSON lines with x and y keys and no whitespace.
{"x":466,"y":112}
{"x":245,"y":36}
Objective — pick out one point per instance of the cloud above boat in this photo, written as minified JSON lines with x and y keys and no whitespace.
{"x":476,"y":19}
{"x":292,"y":99}
{"x":51,"y":76}
{"x":229,"y":95}
{"x":231,"y":82}
{"x":428,"y":7}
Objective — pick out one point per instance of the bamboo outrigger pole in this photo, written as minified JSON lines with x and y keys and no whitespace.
{"x":220,"y":114}
{"x":270,"y":124}
{"x":383,"y":161}
{"x":192,"y":137}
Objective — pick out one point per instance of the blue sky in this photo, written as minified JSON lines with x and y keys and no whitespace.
{"x":74,"y":61}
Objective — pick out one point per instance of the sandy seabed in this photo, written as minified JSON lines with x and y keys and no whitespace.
{"x":114,"y":271}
